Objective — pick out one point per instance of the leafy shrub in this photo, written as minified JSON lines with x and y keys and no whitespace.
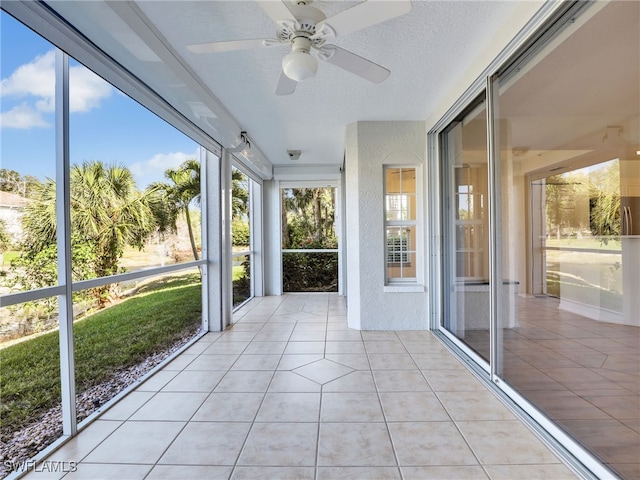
{"x":310,"y":272}
{"x":240,"y":233}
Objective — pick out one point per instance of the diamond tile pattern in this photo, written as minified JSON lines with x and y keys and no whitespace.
{"x":323,"y":371}
{"x":290,"y":392}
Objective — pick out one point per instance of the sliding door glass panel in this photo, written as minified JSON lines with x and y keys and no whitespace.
{"x":466,"y":226}
{"x":568,"y":133}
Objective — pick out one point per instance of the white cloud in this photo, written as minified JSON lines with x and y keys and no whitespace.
{"x":152,"y":170}
{"x":35,"y":82}
{"x":87,"y":89}
{"x":23,"y":117}
{"x":36,"y":78}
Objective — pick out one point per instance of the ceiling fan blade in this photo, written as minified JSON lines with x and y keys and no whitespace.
{"x":215,"y":47}
{"x":277,"y":10}
{"x":353,"y":63}
{"x":365,"y":15}
{"x":286,"y":86}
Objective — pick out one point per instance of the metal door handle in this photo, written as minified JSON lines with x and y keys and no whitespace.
{"x":627,"y":225}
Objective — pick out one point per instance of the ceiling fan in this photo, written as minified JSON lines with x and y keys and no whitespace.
{"x":305,"y":28}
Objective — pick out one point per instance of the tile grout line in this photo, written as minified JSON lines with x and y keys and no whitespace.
{"x":253,"y":422}
{"x":384,"y":415}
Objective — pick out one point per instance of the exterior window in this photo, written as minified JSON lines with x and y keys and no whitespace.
{"x":400,"y":224}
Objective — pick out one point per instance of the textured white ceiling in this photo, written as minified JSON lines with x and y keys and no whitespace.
{"x":427,"y":51}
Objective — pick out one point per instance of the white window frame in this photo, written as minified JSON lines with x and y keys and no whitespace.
{"x":392,"y":284}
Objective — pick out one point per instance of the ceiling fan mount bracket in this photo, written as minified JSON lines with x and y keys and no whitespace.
{"x":305,"y":25}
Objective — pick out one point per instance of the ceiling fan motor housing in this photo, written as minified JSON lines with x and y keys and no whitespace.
{"x":299,"y":65}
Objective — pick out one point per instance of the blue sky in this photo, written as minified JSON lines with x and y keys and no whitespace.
{"x":105,"y":124}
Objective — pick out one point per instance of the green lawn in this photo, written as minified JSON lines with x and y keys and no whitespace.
{"x":108,"y":341}
{"x":9,"y":256}
{"x":238,"y":272}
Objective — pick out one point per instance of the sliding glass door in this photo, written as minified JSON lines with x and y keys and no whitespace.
{"x":466,"y":223}
{"x":541,"y":235}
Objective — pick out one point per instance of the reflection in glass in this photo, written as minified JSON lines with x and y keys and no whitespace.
{"x":115,"y":346}
{"x":401,"y":253}
{"x":466,"y":242}
{"x":401,"y":226}
{"x":584,"y":215}
{"x":569,"y":190}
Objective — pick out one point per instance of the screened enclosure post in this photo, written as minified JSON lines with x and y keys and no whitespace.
{"x":226,"y":285}
{"x":257,"y":239}
{"x":211,"y":280}
{"x":204,"y":233}
{"x":63,"y":231}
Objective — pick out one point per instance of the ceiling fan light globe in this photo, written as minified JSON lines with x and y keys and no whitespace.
{"x":299,"y":66}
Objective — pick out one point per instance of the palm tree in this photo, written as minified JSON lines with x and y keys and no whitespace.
{"x":307,"y":216}
{"x":108,"y":212}
{"x":239,"y":194}
{"x":178,"y":196}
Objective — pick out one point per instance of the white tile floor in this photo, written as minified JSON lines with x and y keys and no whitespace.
{"x":290,"y":392}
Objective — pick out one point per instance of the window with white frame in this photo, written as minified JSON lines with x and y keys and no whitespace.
{"x":400,"y":191}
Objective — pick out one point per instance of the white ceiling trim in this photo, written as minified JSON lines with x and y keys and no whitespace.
{"x":205,"y":109}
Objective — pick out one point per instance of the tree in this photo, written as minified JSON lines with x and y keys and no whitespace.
{"x":308,"y":217}
{"x":5,"y":240}
{"x":239,"y":194}
{"x":107,"y":212}
{"x":178,"y":196}
{"x":11,"y":181}
{"x":604,"y":201}
{"x":563,"y":195}
{"x":5,"y":244}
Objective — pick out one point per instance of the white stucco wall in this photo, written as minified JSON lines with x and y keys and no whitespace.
{"x":272,"y":245}
{"x":370,"y":146}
